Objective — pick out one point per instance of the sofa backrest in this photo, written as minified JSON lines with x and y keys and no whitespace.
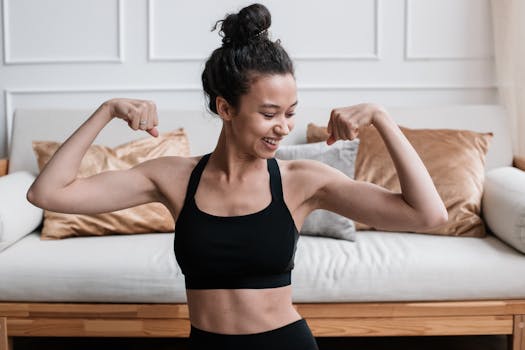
{"x":203,"y":129}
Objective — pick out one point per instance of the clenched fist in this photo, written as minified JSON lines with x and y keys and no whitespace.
{"x":345,"y":122}
{"x":139,"y":114}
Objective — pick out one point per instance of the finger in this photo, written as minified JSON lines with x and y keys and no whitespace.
{"x":336,"y":129}
{"x":345,"y":132}
{"x":134,"y":115}
{"x":150,"y":112}
{"x":143,"y":122}
{"x":354,"y":129}
{"x":148,"y":126}
{"x":127,"y":116}
{"x":151,"y":128}
{"x":329,"y":128}
{"x":155,"y":119}
{"x":333,"y":136}
{"x":153,"y":132}
{"x":152,"y":116}
{"x":330,"y":122}
{"x":342,"y":126}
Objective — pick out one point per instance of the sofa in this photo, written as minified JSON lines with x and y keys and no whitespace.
{"x":381,"y":284}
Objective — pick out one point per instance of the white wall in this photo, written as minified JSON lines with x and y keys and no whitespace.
{"x":77,"y":53}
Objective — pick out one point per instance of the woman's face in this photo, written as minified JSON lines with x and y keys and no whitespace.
{"x":265,"y":114}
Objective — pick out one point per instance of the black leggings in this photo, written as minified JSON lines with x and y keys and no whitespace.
{"x":293,"y":336}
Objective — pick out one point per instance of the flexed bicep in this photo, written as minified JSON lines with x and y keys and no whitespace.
{"x":364,"y":202}
{"x":103,"y":192}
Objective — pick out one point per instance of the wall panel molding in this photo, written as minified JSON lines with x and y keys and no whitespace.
{"x":9,"y":94}
{"x":9,"y":60}
{"x":372,"y":56}
{"x":366,"y":58}
{"x":411,"y":55}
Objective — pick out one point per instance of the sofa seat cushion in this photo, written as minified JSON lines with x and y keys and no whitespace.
{"x":378,"y":266}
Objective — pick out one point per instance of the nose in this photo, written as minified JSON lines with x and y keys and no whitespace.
{"x":283,"y":128}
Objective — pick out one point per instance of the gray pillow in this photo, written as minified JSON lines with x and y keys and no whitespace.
{"x":340,"y":155}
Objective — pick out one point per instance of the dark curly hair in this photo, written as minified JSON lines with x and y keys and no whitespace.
{"x":246,"y":52}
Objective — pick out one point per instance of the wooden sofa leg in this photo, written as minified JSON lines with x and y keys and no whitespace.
{"x":516,"y":341}
{"x":6,"y":343}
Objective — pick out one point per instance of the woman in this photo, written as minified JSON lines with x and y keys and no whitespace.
{"x":237,"y":209}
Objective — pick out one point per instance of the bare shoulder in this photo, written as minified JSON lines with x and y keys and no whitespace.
{"x":174,"y":165}
{"x":175,"y":170}
{"x":304,"y":176}
{"x":170,"y":174}
{"x":307,"y":170}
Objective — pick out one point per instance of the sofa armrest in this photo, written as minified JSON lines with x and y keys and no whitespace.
{"x":519,"y":162}
{"x":4,"y":163}
{"x":18,"y":217}
{"x":503,"y":205}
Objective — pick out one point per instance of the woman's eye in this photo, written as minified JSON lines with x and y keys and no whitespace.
{"x":268,"y":115}
{"x":289,"y":115}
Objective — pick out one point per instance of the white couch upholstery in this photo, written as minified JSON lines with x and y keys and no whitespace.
{"x":378,"y":266}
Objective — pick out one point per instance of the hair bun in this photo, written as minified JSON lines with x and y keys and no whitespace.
{"x":250,"y":24}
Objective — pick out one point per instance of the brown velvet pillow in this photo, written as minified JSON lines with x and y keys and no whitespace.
{"x":315,"y":133}
{"x":455,"y":160}
{"x":146,"y":218}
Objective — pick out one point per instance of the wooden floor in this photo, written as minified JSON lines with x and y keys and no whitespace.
{"x":489,"y":342}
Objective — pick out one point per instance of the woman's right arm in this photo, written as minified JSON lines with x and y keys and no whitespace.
{"x":57,"y":187}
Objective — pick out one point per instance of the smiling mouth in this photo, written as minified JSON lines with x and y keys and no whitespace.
{"x":271,"y":141}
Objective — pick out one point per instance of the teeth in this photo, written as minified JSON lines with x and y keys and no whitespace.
{"x":272,"y":141}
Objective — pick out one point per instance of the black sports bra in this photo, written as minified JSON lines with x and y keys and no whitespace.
{"x":248,"y":251}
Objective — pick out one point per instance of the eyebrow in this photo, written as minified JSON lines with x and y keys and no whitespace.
{"x":271,"y":105}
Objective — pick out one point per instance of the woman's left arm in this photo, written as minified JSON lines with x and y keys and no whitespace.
{"x":418,"y":206}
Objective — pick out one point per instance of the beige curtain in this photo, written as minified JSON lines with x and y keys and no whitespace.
{"x":508,"y":19}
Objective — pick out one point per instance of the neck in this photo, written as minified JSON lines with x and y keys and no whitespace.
{"x":228,"y":160}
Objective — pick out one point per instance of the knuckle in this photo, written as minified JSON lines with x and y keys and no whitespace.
{"x":132,"y":111}
{"x":143,"y":105}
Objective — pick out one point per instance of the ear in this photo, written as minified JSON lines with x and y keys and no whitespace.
{"x":224,"y":109}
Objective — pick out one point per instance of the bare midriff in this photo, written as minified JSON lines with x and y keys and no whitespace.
{"x":241,"y":311}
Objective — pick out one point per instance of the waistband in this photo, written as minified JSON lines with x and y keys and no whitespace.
{"x":300,"y":322}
